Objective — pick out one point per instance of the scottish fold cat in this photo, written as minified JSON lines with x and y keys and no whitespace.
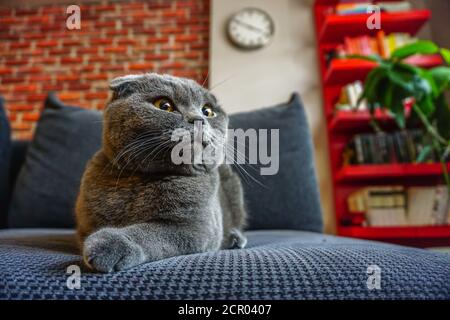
{"x":136,"y":205}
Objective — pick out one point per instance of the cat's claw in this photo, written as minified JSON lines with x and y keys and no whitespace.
{"x":237,"y":239}
{"x":110,"y":250}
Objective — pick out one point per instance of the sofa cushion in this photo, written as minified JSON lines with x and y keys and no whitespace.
{"x":288,"y":199}
{"x":46,"y":188}
{"x":5,"y":154}
{"x":275,"y":265}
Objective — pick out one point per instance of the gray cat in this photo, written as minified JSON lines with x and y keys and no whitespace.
{"x":135,"y":205}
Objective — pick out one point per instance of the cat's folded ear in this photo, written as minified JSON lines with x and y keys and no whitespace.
{"x":124,"y":86}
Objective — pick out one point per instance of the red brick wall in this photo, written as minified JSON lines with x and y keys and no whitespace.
{"x":38,"y":53}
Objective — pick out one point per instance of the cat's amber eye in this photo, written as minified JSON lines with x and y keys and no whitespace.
{"x":208,"y":111}
{"x":164,"y":104}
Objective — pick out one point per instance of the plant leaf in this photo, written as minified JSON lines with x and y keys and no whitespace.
{"x":373,"y":79}
{"x":418,"y":47}
{"x":407,"y":67}
{"x":424,"y":153}
{"x":424,"y":92}
{"x":427,"y":76}
{"x":388,"y":97}
{"x":426,"y":105}
{"x":445,"y":53}
{"x":397,"y":108}
{"x":443,"y":117}
{"x":372,"y":57}
{"x":402,"y":78}
{"x":441,"y":76}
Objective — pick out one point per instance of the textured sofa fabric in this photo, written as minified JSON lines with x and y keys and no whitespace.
{"x":66,"y":137}
{"x":5,"y":154}
{"x":276,"y":265}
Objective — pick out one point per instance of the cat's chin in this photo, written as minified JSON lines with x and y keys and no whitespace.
{"x":182,"y":169}
{"x":197,"y":169}
{"x":201,"y":168}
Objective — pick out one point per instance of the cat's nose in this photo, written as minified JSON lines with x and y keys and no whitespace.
{"x":192,"y":118}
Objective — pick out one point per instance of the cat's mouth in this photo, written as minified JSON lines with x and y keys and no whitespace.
{"x":205,"y":143}
{"x":199,"y":167}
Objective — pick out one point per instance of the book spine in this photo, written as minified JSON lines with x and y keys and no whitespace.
{"x":410,"y":147}
{"x":359,"y":149}
{"x":383,"y":148}
{"x":367,"y":158}
{"x":365,"y":46}
{"x":382,"y":44}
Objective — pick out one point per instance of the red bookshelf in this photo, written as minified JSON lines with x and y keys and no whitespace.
{"x":343,"y":125}
{"x":335,"y":27}
{"x":399,"y":232}
{"x":343,"y":71}
{"x":420,"y":236}
{"x":356,"y":121}
{"x":385,"y":172}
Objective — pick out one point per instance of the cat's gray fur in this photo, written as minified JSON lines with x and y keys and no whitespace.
{"x":134,"y":208}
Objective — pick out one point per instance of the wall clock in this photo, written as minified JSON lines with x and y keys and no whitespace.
{"x":250,"y":28}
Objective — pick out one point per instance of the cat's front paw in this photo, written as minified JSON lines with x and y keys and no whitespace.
{"x":110,"y":249}
{"x":237,"y":239}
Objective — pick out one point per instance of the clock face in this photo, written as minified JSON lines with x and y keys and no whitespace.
{"x":251,"y":28}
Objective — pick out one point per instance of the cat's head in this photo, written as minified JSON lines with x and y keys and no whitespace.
{"x":147,"y":110}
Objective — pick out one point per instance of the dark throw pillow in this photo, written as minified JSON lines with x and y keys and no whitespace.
{"x":44,"y":195}
{"x":5,"y":154}
{"x":290,"y":198}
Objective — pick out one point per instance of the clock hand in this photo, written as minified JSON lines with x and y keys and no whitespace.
{"x":250,"y":27}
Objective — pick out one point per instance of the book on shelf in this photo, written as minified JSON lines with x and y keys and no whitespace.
{"x":381,"y":44}
{"x":441,"y":208}
{"x":394,"y":6}
{"x":428,"y":205}
{"x":399,"y":206}
{"x":363,"y":7}
{"x":381,"y":205}
{"x":349,"y":96}
{"x":384,"y":148}
{"x":376,"y":197}
{"x":352,"y":8}
{"x":386,"y":217}
{"x":420,"y":204}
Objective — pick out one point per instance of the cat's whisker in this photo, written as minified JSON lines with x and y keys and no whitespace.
{"x":250,"y":176}
{"x":206,"y":79}
{"x":133,"y":156}
{"x":165,"y":144}
{"x":134,"y":145}
{"x":241,"y":167}
{"x":222,"y":82}
{"x":242,"y":155}
{"x":143,"y":152}
{"x":128,"y":151}
{"x":156,"y":150}
{"x":164,"y":148}
{"x":241,"y":170}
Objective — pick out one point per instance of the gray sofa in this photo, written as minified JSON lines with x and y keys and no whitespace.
{"x":287,"y":257}
{"x":278,"y":264}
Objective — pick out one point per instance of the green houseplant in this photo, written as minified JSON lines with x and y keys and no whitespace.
{"x":393,"y":81}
